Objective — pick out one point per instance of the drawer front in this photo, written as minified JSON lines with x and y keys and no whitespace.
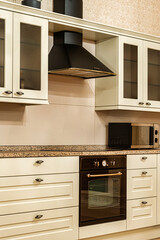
{"x":30,"y":193}
{"x":59,"y":224}
{"x":141,"y":215}
{"x":141,"y":161}
{"x":31,"y":166}
{"x":141,"y":183}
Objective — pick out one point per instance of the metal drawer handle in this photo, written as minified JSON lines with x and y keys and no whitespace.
{"x":104,"y":175}
{"x":39,"y":180}
{"x":148,"y":103}
{"x":38,"y":216}
{"x":144,"y":173}
{"x":144,"y":158}
{"x":20,"y":93}
{"x":141,"y":103}
{"x":8,"y":92}
{"x":144,"y":202}
{"x":39,"y":161}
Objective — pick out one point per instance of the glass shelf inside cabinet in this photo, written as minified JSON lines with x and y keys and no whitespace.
{"x":130,"y":71}
{"x":153,"y":74}
{"x":2,"y":51}
{"x":30,"y":53}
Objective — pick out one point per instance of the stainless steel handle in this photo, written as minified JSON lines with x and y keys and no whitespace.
{"x":148,"y":103}
{"x":144,"y":158}
{"x":39,"y":161}
{"x":144,"y":202}
{"x":141,"y":103}
{"x":38,"y":216}
{"x":20,"y":93}
{"x":144,"y":173}
{"x":8,"y":92}
{"x":39,"y":180}
{"x":104,"y":175}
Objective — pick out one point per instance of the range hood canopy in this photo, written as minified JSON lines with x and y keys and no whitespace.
{"x":67,"y":56}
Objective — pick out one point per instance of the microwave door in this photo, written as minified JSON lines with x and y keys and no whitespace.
{"x":142,"y":136}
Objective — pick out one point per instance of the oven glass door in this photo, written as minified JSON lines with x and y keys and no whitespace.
{"x":102,"y":196}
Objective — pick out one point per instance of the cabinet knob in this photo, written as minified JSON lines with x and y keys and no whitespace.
{"x":144,"y":202}
{"x":38,"y":216}
{"x":19,"y":93}
{"x":144,"y":173}
{"x":8,"y":92}
{"x":148,"y":103}
{"x":39,"y":161}
{"x":141,"y":103}
{"x":144,"y":158}
{"x":39,"y":180}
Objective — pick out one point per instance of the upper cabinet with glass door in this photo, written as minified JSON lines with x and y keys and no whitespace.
{"x":152,"y":74}
{"x":137,"y":83}
{"x":5,"y":54}
{"x":130,"y":79}
{"x":30,"y":59}
{"x":23,"y":58}
{"x":123,"y":55}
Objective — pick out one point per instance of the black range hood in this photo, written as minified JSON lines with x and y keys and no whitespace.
{"x":67,"y":56}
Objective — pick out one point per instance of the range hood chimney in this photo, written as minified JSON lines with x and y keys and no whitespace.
{"x":67,"y":56}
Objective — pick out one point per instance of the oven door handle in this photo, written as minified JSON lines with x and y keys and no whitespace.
{"x":104,"y":175}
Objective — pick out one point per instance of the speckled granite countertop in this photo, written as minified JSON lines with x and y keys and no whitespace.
{"x":66,"y":150}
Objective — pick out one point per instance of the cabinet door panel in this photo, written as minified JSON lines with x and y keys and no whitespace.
{"x":5,"y":54}
{"x":56,"y":224}
{"x":130,"y":82}
{"x":33,"y":193}
{"x":141,"y":183}
{"x":152,"y":73}
{"x":31,"y":58}
{"x":141,"y":213}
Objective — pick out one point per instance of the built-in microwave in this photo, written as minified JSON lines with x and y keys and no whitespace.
{"x":133,"y":135}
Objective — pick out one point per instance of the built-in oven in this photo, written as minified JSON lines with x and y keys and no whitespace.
{"x":102,"y":195}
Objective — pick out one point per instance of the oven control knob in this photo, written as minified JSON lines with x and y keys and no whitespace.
{"x":96,"y":163}
{"x":104,"y":163}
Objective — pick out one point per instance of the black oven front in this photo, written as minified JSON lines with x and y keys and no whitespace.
{"x":102,"y":189}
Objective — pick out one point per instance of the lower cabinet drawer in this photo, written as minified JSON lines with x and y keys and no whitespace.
{"x":59,"y":224}
{"x":141,"y":183}
{"x":38,"y":165}
{"x":141,"y":161}
{"x":141,"y":213}
{"x":33,"y":193}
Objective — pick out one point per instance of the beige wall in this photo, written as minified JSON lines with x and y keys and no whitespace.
{"x":70,"y":117}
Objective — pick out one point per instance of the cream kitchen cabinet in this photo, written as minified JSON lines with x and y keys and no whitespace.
{"x":39,"y":198}
{"x":136,"y":85}
{"x":141,"y":213}
{"x":141,"y":183}
{"x":57,"y":224}
{"x":24,"y":58}
{"x":158,"y":190}
{"x":141,"y":191}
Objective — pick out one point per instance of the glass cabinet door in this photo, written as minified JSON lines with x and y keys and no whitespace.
{"x":31,"y":57}
{"x":130,"y":73}
{"x":5,"y":54}
{"x":152,"y":70}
